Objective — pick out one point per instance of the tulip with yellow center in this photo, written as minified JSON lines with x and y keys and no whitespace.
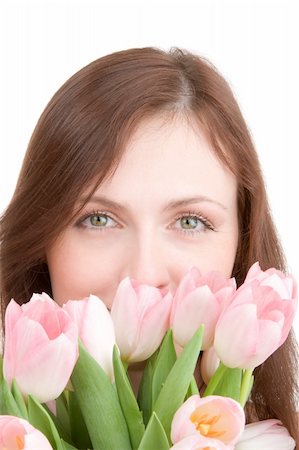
{"x":18,"y":434}
{"x":205,"y":424}
{"x":212,"y":417}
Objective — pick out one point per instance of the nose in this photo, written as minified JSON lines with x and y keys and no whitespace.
{"x":148,"y":262}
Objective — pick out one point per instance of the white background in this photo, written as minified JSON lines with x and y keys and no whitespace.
{"x":255,"y":44}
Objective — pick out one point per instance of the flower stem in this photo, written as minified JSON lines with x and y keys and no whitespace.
{"x":246,"y":386}
{"x":213,"y":383}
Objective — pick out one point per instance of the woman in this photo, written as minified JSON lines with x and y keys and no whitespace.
{"x":123,"y":146}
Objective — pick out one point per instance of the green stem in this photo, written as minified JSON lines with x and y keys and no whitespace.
{"x":247,"y":382}
{"x":213,"y":383}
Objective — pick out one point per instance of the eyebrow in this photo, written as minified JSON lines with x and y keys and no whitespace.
{"x":173,"y":204}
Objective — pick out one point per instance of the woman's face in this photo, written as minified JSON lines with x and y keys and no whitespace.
{"x":169,"y":206}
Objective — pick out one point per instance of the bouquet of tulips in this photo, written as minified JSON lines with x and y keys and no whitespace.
{"x":65,"y":382}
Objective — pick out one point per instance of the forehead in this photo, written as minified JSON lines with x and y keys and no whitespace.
{"x":166,"y":158}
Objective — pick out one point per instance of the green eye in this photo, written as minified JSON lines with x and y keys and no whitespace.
{"x":98,"y":220}
{"x":189,"y":222}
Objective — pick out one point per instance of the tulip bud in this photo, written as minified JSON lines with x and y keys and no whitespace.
{"x":140,"y":314}
{"x":96,"y":329}
{"x":262,"y":312}
{"x":41,"y":347}
{"x":209,"y":364}
{"x":199,"y":299}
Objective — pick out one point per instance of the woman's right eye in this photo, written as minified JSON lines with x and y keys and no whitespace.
{"x":97,"y":221}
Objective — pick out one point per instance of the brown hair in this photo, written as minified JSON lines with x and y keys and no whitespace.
{"x":80,"y":137}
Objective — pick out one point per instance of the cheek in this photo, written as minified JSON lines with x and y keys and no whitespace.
{"x":219,"y":255}
{"x":75,"y":274}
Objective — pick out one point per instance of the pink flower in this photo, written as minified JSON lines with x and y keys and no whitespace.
{"x":41,"y":347}
{"x":141,"y":318}
{"x":196,"y":442}
{"x":18,"y":434}
{"x":258,"y":320}
{"x":212,"y":417}
{"x":96,"y":329}
{"x":266,"y":435}
{"x":208,"y":364}
{"x":199,"y":299}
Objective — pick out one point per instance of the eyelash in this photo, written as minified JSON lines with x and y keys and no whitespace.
{"x":190,"y":214}
{"x":193,"y":214}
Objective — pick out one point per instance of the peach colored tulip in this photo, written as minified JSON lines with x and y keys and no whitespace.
{"x":199,"y":299}
{"x":18,"y":434}
{"x":261,"y":313}
{"x":140,"y":314}
{"x":41,"y":347}
{"x":209,"y":363}
{"x":212,"y":417}
{"x":96,"y":329}
{"x":266,"y":435}
{"x":196,"y":442}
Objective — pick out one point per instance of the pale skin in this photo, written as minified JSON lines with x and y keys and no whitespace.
{"x":146,"y":233}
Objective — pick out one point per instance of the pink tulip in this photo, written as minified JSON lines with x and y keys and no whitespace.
{"x":196,"y":442}
{"x":199,"y":299}
{"x":258,"y":320}
{"x":18,"y":434}
{"x":266,"y":435}
{"x":96,"y":329}
{"x":209,"y":364}
{"x":41,"y":347}
{"x":212,"y":417}
{"x":141,"y":318}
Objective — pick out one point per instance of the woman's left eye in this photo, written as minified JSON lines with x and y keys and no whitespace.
{"x":193,"y":223}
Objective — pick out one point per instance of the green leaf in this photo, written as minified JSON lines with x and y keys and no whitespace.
{"x":230,"y":384}
{"x":163,"y":364}
{"x":128,"y":401}
{"x":64,"y":433}
{"x":8,"y":405}
{"x":174,"y":391}
{"x":99,"y":405}
{"x":19,"y":399}
{"x":154,"y":437}
{"x":144,"y":397}
{"x":192,"y":389}
{"x":216,"y":378}
{"x":67,"y":446}
{"x":40,"y":419}
{"x":79,"y":432}
{"x":62,"y":415}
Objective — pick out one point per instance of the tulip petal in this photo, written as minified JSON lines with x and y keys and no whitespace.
{"x":96,"y":329}
{"x":180,"y":427}
{"x":155,"y":318}
{"x":198,"y":307}
{"x":125,"y":306}
{"x":196,"y":442}
{"x":138,"y":336}
{"x":27,"y":335}
{"x":212,"y":417}
{"x":200,"y":299}
{"x":16,"y":433}
{"x":53,"y":363}
{"x":33,"y":441}
{"x":266,"y":435}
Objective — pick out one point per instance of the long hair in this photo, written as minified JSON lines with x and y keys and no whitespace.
{"x":79,"y":141}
